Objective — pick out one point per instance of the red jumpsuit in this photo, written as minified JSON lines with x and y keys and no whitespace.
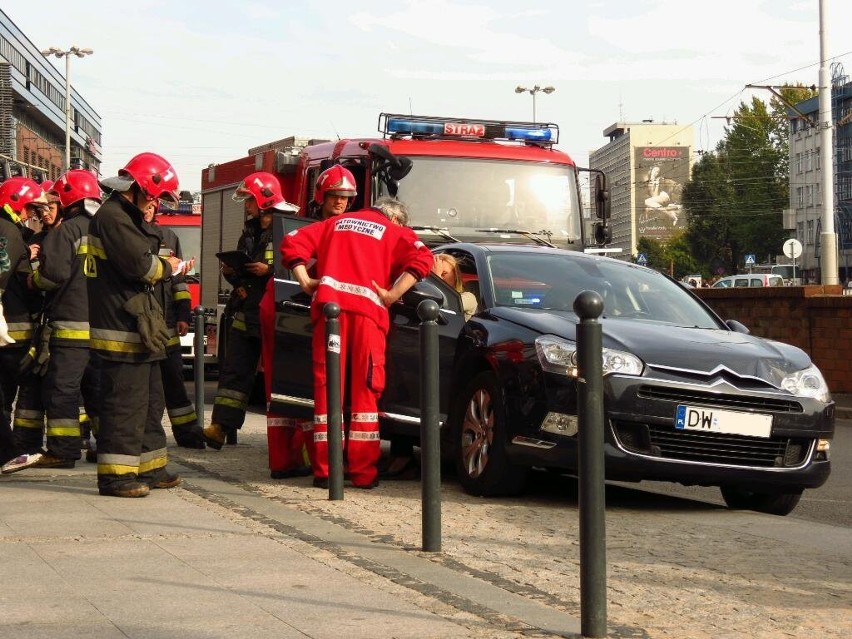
{"x":351,"y":251}
{"x":284,"y":437}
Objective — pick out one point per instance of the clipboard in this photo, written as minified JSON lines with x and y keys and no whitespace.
{"x":235,"y":259}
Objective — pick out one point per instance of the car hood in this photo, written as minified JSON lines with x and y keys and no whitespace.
{"x":665,"y":346}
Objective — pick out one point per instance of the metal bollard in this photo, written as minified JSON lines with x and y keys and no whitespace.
{"x":332,"y":393}
{"x":430,"y":440}
{"x":198,"y":363}
{"x":589,"y":305}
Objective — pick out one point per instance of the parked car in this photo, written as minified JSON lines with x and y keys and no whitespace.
{"x":749,"y":280}
{"x":688,"y":397}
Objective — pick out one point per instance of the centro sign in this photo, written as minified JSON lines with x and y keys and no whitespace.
{"x":652,"y":152}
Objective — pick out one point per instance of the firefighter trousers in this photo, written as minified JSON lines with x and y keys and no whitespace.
{"x":71,"y":373}
{"x":24,"y":392}
{"x":182,"y":415}
{"x":362,"y":356}
{"x":131,"y":440}
{"x":236,"y":379}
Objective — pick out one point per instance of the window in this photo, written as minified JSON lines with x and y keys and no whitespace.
{"x":809,"y":238}
{"x":817,"y":152}
{"x":810,"y":161}
{"x":800,"y":196}
{"x":798,"y":162}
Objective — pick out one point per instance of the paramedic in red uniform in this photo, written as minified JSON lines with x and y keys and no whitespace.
{"x":288,"y":438}
{"x":364,"y":263}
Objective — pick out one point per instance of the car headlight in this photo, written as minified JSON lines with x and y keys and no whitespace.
{"x":807,"y":382}
{"x":557,"y":355}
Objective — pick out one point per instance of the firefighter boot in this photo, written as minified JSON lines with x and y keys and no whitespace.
{"x":215,"y":435}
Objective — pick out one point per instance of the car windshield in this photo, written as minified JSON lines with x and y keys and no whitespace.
{"x":463,"y":195}
{"x":552,"y":281}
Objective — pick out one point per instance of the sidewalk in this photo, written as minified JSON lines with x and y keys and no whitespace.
{"x":234,"y":554}
{"x":211,"y":559}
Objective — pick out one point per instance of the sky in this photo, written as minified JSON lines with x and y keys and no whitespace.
{"x":202,"y":81}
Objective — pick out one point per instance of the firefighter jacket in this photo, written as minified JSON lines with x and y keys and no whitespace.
{"x":120,"y":264}
{"x":256,"y":242}
{"x":353,"y":250}
{"x":14,"y":270}
{"x":60,"y":275}
{"x":173,"y":293}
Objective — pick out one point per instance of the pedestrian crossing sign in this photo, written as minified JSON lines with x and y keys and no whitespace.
{"x":749,"y":259}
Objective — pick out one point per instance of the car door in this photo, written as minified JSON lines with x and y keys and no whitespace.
{"x":292,"y":375}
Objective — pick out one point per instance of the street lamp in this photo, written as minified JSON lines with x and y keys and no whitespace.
{"x":533,"y":91}
{"x":59,"y":53}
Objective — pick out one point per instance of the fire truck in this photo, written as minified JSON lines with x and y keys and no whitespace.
{"x":464,"y":179}
{"x":185,"y":221}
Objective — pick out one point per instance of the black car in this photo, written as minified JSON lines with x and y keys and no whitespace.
{"x":689,"y":398}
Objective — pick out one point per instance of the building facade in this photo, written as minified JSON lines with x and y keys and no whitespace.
{"x":32,"y":111}
{"x":805,"y":214}
{"x":647,"y":165}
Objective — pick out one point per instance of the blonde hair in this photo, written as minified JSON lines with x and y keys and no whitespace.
{"x":454,"y":264}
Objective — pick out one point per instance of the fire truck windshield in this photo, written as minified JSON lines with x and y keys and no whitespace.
{"x":465,"y":195}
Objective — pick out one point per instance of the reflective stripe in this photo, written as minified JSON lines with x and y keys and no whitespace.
{"x":364,"y":436}
{"x":116,"y":347}
{"x":95,"y":247}
{"x":181,"y":295}
{"x":354,"y":289}
{"x":155,"y":272}
{"x":21,"y":422}
{"x":63,"y":427}
{"x":320,"y":419}
{"x":307,"y":426}
{"x":179,"y":420}
{"x":69,"y":333}
{"x":365,"y":417}
{"x":239,"y":324}
{"x":115,"y":469}
{"x":42,"y":283}
{"x":153,"y":460}
{"x":29,"y":413}
{"x":81,"y":246}
{"x":181,"y":410}
{"x":116,"y":458}
{"x":230,"y":392}
{"x":320,"y":437}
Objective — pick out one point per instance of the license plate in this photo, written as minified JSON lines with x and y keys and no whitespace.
{"x":712,"y":420}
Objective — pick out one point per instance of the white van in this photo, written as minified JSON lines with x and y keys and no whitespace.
{"x":755,"y":280}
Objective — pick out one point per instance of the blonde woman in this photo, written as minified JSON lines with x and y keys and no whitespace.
{"x":447,"y":268}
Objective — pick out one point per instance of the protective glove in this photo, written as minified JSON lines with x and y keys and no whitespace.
{"x":5,"y":338}
{"x":42,"y":356}
{"x":149,"y":322}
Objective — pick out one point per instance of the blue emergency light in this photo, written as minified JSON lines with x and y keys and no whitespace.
{"x":397,"y":125}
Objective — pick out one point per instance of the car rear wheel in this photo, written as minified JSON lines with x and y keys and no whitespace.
{"x":773,"y":503}
{"x":480,"y":440}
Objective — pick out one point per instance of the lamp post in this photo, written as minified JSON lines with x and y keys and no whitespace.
{"x":533,"y":91}
{"x":59,"y":53}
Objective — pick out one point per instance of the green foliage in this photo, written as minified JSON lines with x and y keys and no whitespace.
{"x":737,"y":193}
{"x":674,"y":257}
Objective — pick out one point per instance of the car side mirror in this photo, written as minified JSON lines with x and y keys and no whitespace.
{"x":422,"y":291}
{"x":737,"y":327}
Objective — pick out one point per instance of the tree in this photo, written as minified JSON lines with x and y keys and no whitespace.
{"x":674,"y":257}
{"x":737,"y":193}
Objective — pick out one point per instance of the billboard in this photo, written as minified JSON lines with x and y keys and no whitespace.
{"x":661,"y":173}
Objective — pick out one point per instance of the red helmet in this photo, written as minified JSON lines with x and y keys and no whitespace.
{"x":266,"y":191}
{"x":153,"y":173}
{"x":46,"y":185}
{"x":337,"y":180}
{"x":18,"y":191}
{"x":76,"y":185}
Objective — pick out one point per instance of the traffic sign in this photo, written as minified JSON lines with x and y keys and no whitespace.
{"x":792,"y":248}
{"x":749,"y":259}
{"x":642,"y":259}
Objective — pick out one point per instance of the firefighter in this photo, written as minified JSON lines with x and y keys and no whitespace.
{"x":20,"y":200}
{"x":128,"y":330}
{"x":176,"y":302}
{"x":260,"y":194}
{"x":334,"y":192}
{"x":71,"y":371}
{"x":364,"y":263}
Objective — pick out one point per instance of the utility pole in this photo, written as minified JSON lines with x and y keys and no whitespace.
{"x":827,"y":238}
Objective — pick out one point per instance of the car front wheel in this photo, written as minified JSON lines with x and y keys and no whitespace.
{"x":773,"y":503}
{"x":481,"y":440}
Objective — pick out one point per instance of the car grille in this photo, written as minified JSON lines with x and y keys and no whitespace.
{"x":735,"y":402}
{"x":711,"y":448}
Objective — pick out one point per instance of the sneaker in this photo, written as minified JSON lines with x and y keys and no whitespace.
{"x":128,"y":489}
{"x":214,"y":436}
{"x":299,"y":471}
{"x":166,"y":481}
{"x":321,"y":482}
{"x":52,"y":461}
{"x":20,"y":462}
